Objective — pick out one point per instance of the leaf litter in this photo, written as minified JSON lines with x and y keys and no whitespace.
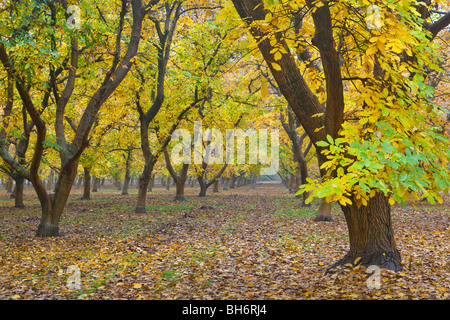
{"x":252,"y":242}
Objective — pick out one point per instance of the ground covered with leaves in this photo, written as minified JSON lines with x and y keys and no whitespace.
{"x":252,"y":242}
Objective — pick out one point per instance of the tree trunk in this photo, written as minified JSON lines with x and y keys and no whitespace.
{"x":144,"y":181}
{"x":233,"y":181}
{"x":18,"y":199}
{"x":324,"y":212}
{"x":203,"y":189}
{"x":151,"y":183}
{"x":169,"y":178}
{"x":371,"y":235}
{"x":216,"y":186}
{"x":9,"y":185}
{"x":53,"y":204}
{"x":225,"y":183}
{"x":96,"y":184}
{"x":126,"y":181}
{"x":79,"y":182}
{"x":180,"y":179}
{"x":303,"y":175}
{"x":87,"y":185}
{"x":50,"y":180}
{"x":292,"y":183}
{"x":180,"y":190}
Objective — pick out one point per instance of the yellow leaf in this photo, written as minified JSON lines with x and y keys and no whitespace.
{"x":278,"y":55}
{"x":371,"y":50}
{"x":391,"y":201}
{"x":318,"y":129}
{"x":264,"y":89}
{"x":276,"y":66}
{"x":15,"y":297}
{"x":137,"y":285}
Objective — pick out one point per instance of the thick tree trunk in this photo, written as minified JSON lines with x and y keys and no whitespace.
{"x":180,"y":179}
{"x":144,"y":181}
{"x":180,"y":191}
{"x":371,"y":235}
{"x":53,"y":205}
{"x":142,"y":195}
{"x":203,"y":189}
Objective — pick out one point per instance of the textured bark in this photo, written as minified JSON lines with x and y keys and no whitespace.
{"x":144,"y":181}
{"x":371,"y":235}
{"x":53,"y":205}
{"x":179,"y":196}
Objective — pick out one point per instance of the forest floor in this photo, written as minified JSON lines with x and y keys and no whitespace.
{"x":252,"y":242}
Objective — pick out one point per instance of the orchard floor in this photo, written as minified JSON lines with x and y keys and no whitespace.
{"x":252,"y":242}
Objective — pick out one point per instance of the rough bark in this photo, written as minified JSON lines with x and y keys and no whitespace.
{"x":371,"y":235}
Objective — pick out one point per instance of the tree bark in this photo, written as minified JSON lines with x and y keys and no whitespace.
{"x":53,"y":204}
{"x":96,"y":184}
{"x":86,"y":184}
{"x":371,"y":235}
{"x":324,"y":212}
{"x":144,"y":181}
{"x":126,"y":181}
{"x":233,"y":181}
{"x":18,"y":199}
